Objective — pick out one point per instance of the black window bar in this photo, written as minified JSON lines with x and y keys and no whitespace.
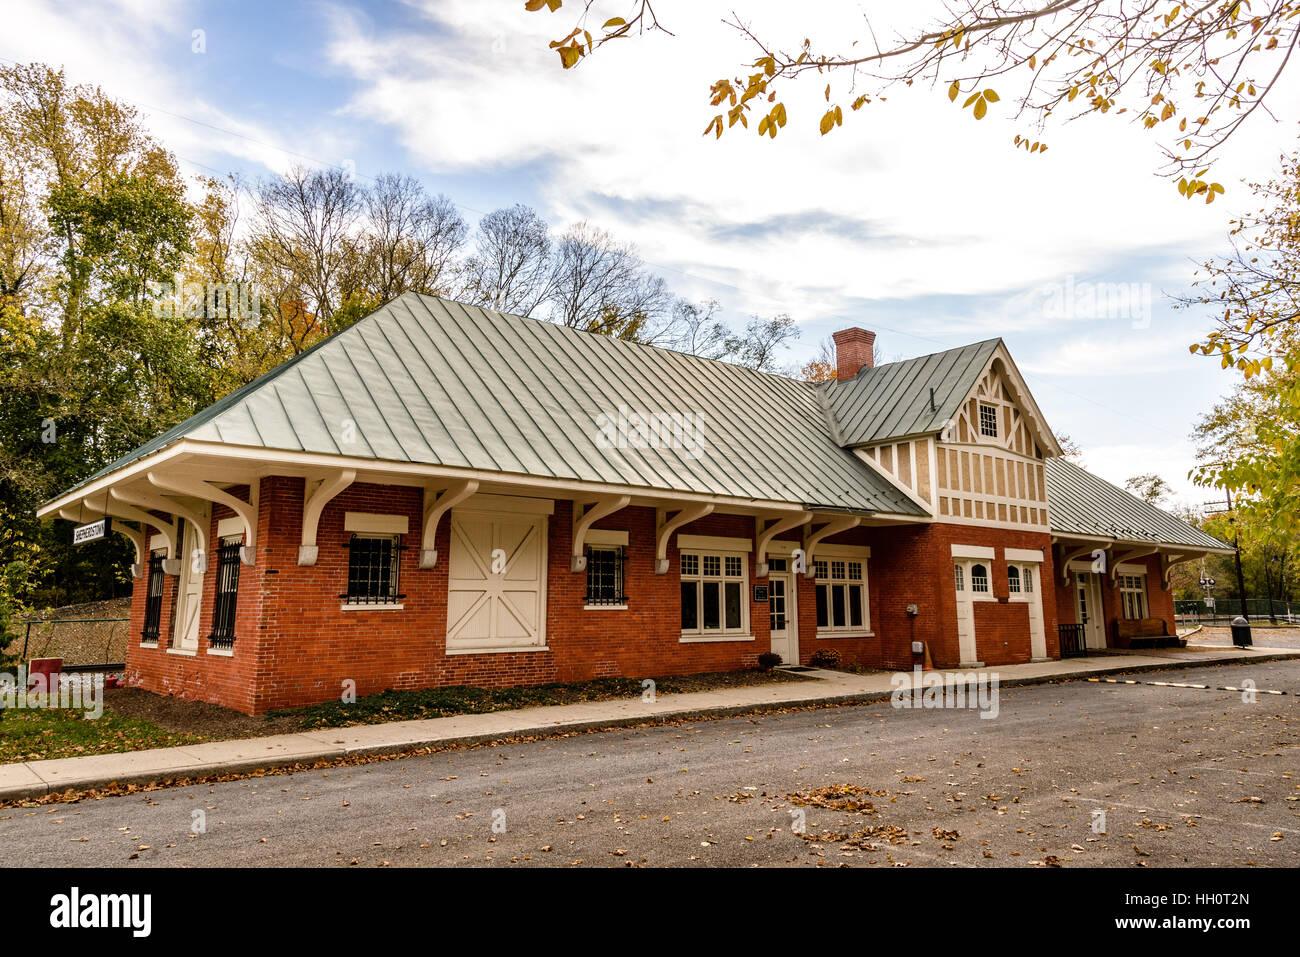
{"x":373,"y":570}
{"x":153,"y":601}
{"x":605,"y":576}
{"x":223,"y":608}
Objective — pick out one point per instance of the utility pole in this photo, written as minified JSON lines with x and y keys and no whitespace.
{"x":1236,"y":546}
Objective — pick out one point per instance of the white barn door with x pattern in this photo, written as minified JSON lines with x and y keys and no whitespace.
{"x":496,"y":589}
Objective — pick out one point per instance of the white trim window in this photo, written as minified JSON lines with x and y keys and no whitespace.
{"x":979,"y":578}
{"x":841,"y":596}
{"x":605,"y":577}
{"x":1013,"y":579}
{"x":1133,"y":596}
{"x":988,"y":420}
{"x":373,"y":570}
{"x":714,"y":594}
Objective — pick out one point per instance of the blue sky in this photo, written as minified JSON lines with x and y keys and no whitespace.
{"x":911,"y":220}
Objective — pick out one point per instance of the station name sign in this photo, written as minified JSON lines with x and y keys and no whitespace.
{"x":90,"y":533}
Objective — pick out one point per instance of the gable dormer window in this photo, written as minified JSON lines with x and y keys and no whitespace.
{"x":989,"y":420}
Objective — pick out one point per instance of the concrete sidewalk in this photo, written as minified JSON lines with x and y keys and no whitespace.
{"x":36,"y":778}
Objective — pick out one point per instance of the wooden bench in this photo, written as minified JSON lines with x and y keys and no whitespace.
{"x":1145,"y":633}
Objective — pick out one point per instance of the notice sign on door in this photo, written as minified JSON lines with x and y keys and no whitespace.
{"x":90,"y":533}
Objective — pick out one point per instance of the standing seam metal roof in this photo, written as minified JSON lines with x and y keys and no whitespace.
{"x":893,"y":400}
{"x":1080,"y":503}
{"x":430,"y":381}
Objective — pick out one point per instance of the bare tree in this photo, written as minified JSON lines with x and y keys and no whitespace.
{"x":761,"y":343}
{"x":697,"y":330}
{"x":304,"y":221}
{"x":409,"y":239}
{"x":600,"y":285}
{"x":511,"y":267}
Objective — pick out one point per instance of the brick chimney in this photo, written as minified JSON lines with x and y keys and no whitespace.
{"x":854,"y":349}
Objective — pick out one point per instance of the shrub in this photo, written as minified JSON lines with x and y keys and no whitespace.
{"x":768,"y":660}
{"x":825,"y":658}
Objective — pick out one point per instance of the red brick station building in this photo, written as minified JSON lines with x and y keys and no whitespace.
{"x":443,"y":495}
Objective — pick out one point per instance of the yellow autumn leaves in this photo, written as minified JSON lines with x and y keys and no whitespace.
{"x":980,"y":99}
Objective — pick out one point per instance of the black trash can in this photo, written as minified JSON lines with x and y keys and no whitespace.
{"x":1241,"y":632}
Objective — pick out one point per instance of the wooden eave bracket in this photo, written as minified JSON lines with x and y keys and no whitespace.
{"x":584,"y":518}
{"x":1167,"y":563}
{"x":1127,"y":556}
{"x":316,"y":495}
{"x":118,"y":507}
{"x":813,"y":538}
{"x":665,"y":526}
{"x":245,"y":511}
{"x":764,"y":533}
{"x":435,"y":508}
{"x":144,"y":499}
{"x":1069,"y":555}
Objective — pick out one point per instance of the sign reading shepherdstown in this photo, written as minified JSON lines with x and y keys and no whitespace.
{"x":90,"y":532}
{"x":432,"y":497}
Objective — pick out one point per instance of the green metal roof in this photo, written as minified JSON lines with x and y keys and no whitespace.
{"x":1080,"y":503}
{"x":430,"y":381}
{"x":893,"y":400}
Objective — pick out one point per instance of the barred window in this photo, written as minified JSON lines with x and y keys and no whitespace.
{"x":373,"y":569}
{"x":979,"y":578}
{"x":841,"y":595}
{"x":153,"y":600}
{"x":605,"y":576}
{"x":989,"y":420}
{"x":1013,"y":579}
{"x":223,"y":607}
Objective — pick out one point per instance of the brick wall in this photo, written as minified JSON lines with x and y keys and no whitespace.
{"x":294,"y":645}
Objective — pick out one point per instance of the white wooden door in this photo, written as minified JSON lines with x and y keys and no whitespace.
{"x":496,"y":589}
{"x":1032,"y":589}
{"x":1087,"y":609}
{"x":189,"y":586}
{"x":783,"y":617}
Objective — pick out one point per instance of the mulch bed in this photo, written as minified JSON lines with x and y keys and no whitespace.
{"x":214,"y":722}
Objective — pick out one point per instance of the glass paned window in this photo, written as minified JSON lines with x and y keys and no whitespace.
{"x":960,"y":574}
{"x":841,"y":595}
{"x":713,"y":594}
{"x":979,"y":578}
{"x":1028,"y":578}
{"x":1133,"y":596}
{"x":989,"y":420}
{"x":1013,"y":579}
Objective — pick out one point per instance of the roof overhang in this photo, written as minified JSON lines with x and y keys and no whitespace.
{"x":223,"y":464}
{"x":1111,"y":541}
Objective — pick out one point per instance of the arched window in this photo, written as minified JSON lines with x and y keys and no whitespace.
{"x":1029,"y":579}
{"x":961,"y":583}
{"x":979,"y":578}
{"x":1013,"y":579}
